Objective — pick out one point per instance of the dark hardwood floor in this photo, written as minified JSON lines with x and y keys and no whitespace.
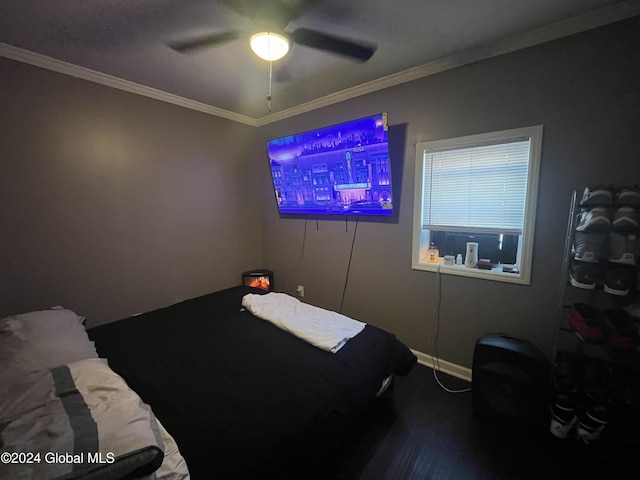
{"x":424,"y":432}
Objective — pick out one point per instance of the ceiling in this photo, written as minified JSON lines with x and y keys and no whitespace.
{"x":124,"y":43}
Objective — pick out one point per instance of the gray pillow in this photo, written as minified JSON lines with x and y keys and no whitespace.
{"x":41,"y":340}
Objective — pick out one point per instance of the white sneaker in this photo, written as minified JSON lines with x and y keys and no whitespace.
{"x":594,"y":220}
{"x":626,"y":219}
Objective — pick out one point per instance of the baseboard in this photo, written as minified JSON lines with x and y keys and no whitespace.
{"x":443,"y":366}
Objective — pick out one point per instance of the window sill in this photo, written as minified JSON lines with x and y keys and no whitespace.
{"x":495,"y":274}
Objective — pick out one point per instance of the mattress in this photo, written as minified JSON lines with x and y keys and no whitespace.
{"x":240,"y":396}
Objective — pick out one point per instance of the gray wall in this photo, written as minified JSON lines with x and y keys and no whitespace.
{"x":112,"y":203}
{"x":584,"y":89}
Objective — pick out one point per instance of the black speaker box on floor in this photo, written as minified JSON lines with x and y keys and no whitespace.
{"x":510,"y":381}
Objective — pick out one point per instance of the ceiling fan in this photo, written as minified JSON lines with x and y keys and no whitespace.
{"x":271,"y":17}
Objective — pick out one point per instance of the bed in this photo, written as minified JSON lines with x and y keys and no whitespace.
{"x":241,"y":397}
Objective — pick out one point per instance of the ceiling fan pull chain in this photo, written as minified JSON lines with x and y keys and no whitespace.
{"x":270,"y":75}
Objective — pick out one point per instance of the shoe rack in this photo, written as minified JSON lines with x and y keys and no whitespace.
{"x":598,"y":296}
{"x":582,"y":300}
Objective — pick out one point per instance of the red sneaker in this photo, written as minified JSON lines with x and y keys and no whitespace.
{"x":621,"y":330}
{"x":586,"y":322}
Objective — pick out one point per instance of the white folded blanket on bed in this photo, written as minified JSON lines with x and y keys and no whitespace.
{"x":323,"y":328}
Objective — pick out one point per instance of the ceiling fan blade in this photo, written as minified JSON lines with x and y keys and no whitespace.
{"x":349,"y":48}
{"x":280,"y":12}
{"x":212,"y":40}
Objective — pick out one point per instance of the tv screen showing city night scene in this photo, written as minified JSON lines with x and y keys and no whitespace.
{"x":342,"y":169}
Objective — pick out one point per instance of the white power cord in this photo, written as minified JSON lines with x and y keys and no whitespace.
{"x":434,"y":351}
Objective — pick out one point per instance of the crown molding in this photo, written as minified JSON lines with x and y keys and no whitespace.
{"x":38,"y":60}
{"x":597,"y":18}
{"x":554,"y":31}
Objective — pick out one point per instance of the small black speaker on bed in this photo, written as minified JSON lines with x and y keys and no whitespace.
{"x":510,"y":381}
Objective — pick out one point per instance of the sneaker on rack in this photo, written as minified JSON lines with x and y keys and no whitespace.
{"x":618,"y":280}
{"x":592,"y":420}
{"x":586,"y":321}
{"x":594,"y":220}
{"x":595,"y":403}
{"x":626,"y":219}
{"x":620,"y":328}
{"x":625,"y":416}
{"x":633,"y":309}
{"x":589,"y":246}
{"x":584,"y":275}
{"x":624,"y":248}
{"x":567,"y":377}
{"x":601,"y":195}
{"x":563,"y":415}
{"x":628,"y":196}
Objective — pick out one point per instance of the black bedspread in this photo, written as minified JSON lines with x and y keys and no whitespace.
{"x":238,"y":394}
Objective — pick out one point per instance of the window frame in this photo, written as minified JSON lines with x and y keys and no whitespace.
{"x":525,"y":245}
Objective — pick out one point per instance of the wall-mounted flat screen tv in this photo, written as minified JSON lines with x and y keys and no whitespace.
{"x":341,"y":169}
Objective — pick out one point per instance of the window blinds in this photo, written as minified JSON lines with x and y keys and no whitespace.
{"x":476,"y":189}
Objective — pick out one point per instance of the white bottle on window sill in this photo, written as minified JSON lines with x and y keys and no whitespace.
{"x":471,"y":259}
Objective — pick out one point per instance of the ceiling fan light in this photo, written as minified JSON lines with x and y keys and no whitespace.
{"x":269,"y":45}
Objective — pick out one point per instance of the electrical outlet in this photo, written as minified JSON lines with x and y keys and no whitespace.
{"x":300,"y":290}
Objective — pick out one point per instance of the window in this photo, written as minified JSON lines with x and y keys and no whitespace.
{"x":480,"y":189}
